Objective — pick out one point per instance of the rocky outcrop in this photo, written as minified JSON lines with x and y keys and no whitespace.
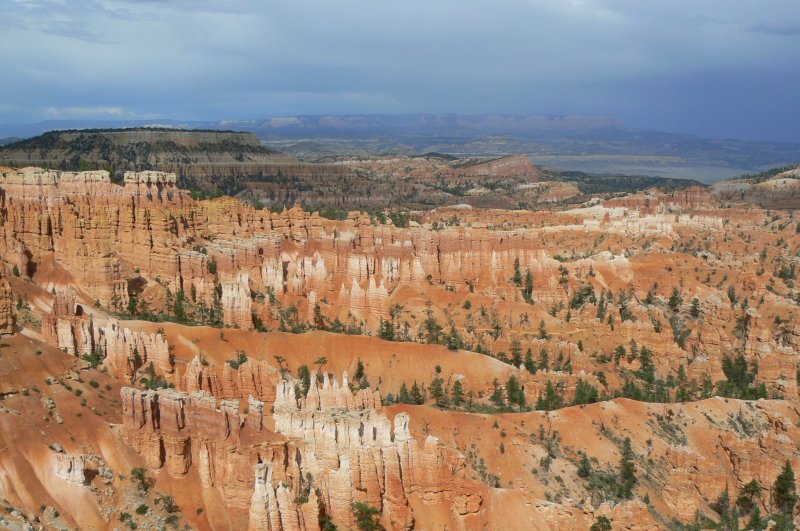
{"x":122,"y":350}
{"x":235,"y":300}
{"x":6,"y":307}
{"x":250,"y":379}
{"x":329,"y":449}
{"x":67,"y":326}
{"x":510,"y":166}
{"x":149,"y":177}
{"x":127,"y":350}
{"x":70,"y":467}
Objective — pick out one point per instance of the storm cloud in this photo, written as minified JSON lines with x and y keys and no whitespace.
{"x":708,"y":67}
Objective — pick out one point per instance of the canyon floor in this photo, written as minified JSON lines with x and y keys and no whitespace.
{"x":625,"y":362}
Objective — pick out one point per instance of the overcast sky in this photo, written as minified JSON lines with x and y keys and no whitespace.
{"x":722,"y":68}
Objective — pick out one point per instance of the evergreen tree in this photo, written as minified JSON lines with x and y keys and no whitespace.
{"x":647,"y":371}
{"x":516,"y":353}
{"x":585,"y":393}
{"x":359,"y":369}
{"x":527,"y":291}
{"x":619,"y":353}
{"x":403,"y":397}
{"x":304,"y":375}
{"x":386,"y":330}
{"x":634,"y":350}
{"x":650,"y":298}
{"x":675,"y":300}
{"x":497,"y":394}
{"x":695,"y":310}
{"x":685,"y":392}
{"x":601,"y":306}
{"x":727,"y":514}
{"x":366,"y":517}
{"x":132,"y":305}
{"x":433,"y":330}
{"x":585,"y":467}
{"x":458,"y":393}
{"x":514,"y":391}
{"x":756,"y":522}
{"x":454,"y":341}
{"x":746,"y":500}
{"x":360,"y":376}
{"x":601,"y":524}
{"x":319,"y":319}
{"x":517,"y":278}
{"x":178,"y":309}
{"x":627,"y":471}
{"x":416,"y":395}
{"x":530,"y":366}
{"x":438,"y":392}
{"x":783,"y":492}
{"x":542,"y":330}
{"x":550,"y":399}
{"x":544,"y":360}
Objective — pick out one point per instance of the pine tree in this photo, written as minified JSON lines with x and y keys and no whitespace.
{"x":695,"y":310}
{"x":544,"y":360}
{"x":647,"y":371}
{"x":784,"y":493}
{"x":514,"y":392}
{"x":497,"y":394}
{"x":619,"y":353}
{"x":585,"y":467}
{"x":454,"y":341}
{"x":359,"y":369}
{"x":366,"y":517}
{"x":527,"y":291}
{"x":386,"y":330}
{"x":756,"y":522}
{"x":319,"y":319}
{"x":585,"y":393}
{"x":438,"y":392}
{"x":675,"y":300}
{"x":747,"y":496}
{"x":305,"y":378}
{"x":601,"y":524}
{"x":530,"y":366}
{"x":627,"y":471}
{"x":517,"y":278}
{"x":550,"y":399}
{"x":416,"y":395}
{"x":601,"y":307}
{"x":516,"y":353}
{"x":542,"y":330}
{"x":458,"y":393}
{"x":403,"y":397}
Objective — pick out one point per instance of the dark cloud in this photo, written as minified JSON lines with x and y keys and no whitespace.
{"x":654,"y":64}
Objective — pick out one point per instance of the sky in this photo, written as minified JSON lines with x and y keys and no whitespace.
{"x":716,"y":68}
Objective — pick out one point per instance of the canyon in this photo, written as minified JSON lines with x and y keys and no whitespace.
{"x":167,"y":360}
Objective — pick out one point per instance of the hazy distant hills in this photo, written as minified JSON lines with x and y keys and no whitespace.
{"x":593,"y":144}
{"x":211,"y":161}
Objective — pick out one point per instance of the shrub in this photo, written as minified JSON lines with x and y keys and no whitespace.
{"x":366,"y":517}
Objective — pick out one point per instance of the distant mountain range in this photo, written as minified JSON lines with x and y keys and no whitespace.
{"x":594,"y":144}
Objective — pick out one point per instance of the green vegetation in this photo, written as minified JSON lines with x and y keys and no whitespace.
{"x":740,"y":378}
{"x":627,"y":471}
{"x":366,"y":517}
{"x":139,"y":477}
{"x":241,"y":359}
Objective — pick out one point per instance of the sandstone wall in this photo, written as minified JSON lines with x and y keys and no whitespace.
{"x":6,"y":307}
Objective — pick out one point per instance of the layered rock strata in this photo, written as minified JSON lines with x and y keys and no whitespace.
{"x":329,"y":449}
{"x":6,"y":307}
